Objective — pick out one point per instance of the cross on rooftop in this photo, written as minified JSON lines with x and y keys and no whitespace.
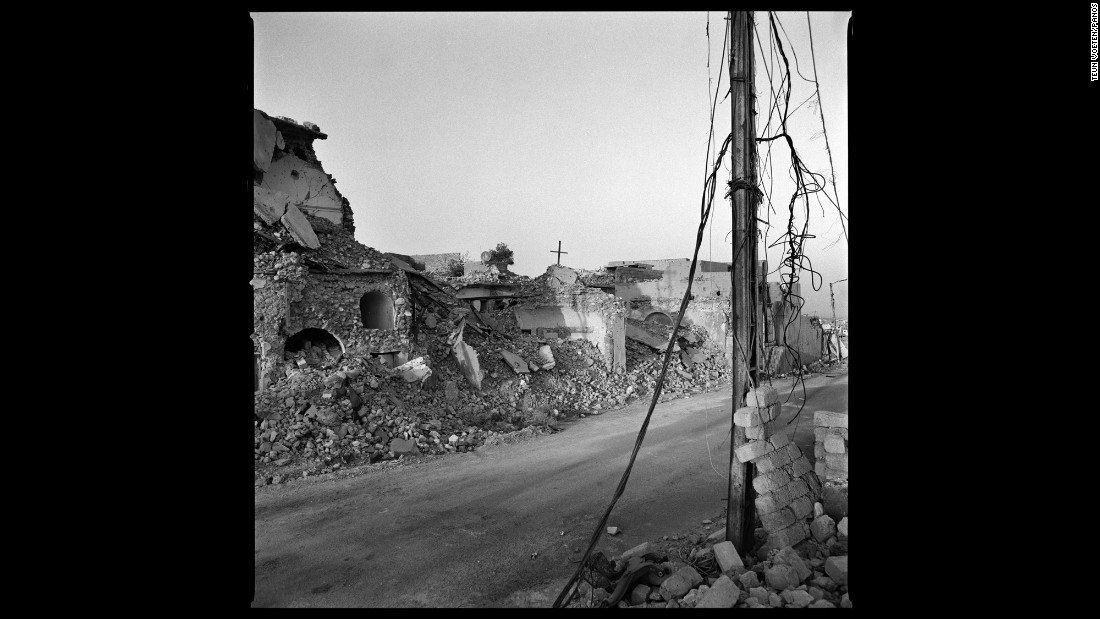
{"x":559,"y":253}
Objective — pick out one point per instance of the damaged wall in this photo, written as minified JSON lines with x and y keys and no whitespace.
{"x":597,"y":317}
{"x":831,"y":445}
{"x":288,"y":298}
{"x":785,"y":483}
{"x":284,"y":162}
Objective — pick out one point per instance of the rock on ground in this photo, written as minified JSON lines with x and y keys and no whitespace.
{"x":722,"y":594}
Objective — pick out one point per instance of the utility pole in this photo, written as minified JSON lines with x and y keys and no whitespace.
{"x":740,"y":509}
{"x":836,"y":327}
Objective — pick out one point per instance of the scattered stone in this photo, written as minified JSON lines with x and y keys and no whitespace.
{"x":749,"y":580}
{"x":774,"y":600}
{"x":639,"y":594}
{"x":401,"y":446}
{"x":816,"y":592}
{"x":818,"y":510}
{"x":760,"y":594}
{"x":842,"y":528}
{"x":727,"y":556}
{"x":797,"y":599}
{"x":837,"y":569}
{"x":722,"y":594}
{"x":684,"y":580}
{"x":612,"y":530}
{"x":780,"y":577}
{"x":822,"y":604}
{"x":845,"y":602}
{"x":823,"y":527}
{"x":788,"y":556}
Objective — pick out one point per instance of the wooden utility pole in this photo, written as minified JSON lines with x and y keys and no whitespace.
{"x":740,"y":508}
{"x":836,"y":327}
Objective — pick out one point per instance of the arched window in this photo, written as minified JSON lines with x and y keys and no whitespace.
{"x":376,"y":310}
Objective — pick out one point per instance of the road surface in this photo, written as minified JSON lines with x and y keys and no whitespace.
{"x":500,"y":526}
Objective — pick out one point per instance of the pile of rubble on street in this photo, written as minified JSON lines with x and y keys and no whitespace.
{"x":335,"y":409}
{"x":700,"y":570}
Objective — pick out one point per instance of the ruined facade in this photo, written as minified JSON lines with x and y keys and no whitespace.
{"x":317,"y":292}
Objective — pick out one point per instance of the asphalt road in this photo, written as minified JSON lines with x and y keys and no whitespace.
{"x":461,"y":530}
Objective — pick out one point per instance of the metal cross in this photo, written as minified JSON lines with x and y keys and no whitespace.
{"x":559,"y":253}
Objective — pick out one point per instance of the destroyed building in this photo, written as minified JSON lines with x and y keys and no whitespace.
{"x":654,"y":294}
{"x":654,"y":289}
{"x":791,"y":339}
{"x":572,"y":310}
{"x":317,"y":292}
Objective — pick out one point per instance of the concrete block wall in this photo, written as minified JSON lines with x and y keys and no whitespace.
{"x":785,"y":483}
{"x":831,"y":445}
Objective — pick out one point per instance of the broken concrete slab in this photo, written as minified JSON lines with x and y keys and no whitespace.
{"x":639,"y":334}
{"x":466,"y":357}
{"x":299,"y":227}
{"x":269,"y":205}
{"x":264,"y":139}
{"x":514,"y":361}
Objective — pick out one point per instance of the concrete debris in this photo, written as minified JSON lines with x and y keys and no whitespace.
{"x":722,"y":594}
{"x":518,"y":365}
{"x":823,"y":528}
{"x":797,"y":599}
{"x":466,"y":357}
{"x":299,"y":227}
{"x":837,"y":569}
{"x":781,"y":576}
{"x":677,"y":585}
{"x":416,"y":370}
{"x":727,"y":556}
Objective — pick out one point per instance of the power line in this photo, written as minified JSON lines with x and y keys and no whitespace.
{"x":821,"y":109}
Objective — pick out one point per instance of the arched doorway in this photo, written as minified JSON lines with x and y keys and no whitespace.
{"x":314,"y":345}
{"x":376,"y":310}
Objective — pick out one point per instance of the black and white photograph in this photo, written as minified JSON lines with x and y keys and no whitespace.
{"x":550,"y":309}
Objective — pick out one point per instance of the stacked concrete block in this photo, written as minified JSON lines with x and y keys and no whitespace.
{"x":831,"y":445}
{"x":785,"y":482}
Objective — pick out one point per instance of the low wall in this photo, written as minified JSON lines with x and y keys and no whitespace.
{"x":784,"y":480}
{"x":831,"y":445}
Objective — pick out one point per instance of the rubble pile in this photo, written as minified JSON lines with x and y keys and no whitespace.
{"x":332,"y":410}
{"x":701,"y":570}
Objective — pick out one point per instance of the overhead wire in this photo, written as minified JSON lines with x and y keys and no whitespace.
{"x":824,"y":131}
{"x":706,"y":204}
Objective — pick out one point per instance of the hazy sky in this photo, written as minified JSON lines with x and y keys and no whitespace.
{"x":452,"y":132}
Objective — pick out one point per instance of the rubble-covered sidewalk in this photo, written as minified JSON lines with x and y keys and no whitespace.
{"x":698,"y":569}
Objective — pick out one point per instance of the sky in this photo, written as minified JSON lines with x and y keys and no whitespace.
{"x":452,"y":132}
